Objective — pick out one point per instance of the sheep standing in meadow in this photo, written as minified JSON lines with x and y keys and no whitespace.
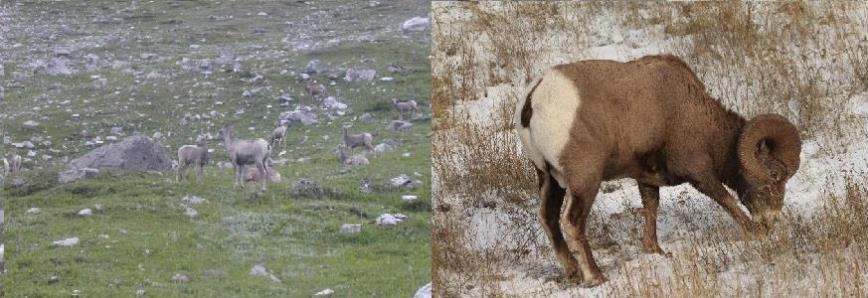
{"x":12,"y":164}
{"x":357,"y":140}
{"x":193,"y":155}
{"x":651,"y":120}
{"x":350,"y":160}
{"x":278,"y":136}
{"x":243,"y":153}
{"x":409,"y":106}
{"x":313,"y":89}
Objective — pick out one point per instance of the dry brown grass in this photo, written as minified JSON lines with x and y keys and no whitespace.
{"x":752,"y":66}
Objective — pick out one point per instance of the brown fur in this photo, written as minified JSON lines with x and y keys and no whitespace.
{"x":651,"y":120}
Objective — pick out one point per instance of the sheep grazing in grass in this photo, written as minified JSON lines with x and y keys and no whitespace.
{"x":350,"y":160}
{"x":193,"y":155}
{"x":12,"y":164}
{"x":402,"y":107}
{"x":313,"y":89}
{"x":651,"y":120}
{"x":243,"y":153}
{"x":357,"y":140}
{"x":278,"y":136}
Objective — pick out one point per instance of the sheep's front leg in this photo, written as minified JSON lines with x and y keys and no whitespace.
{"x":263,"y":174}
{"x":239,"y":176}
{"x":713,"y":188}
{"x":551,"y":200}
{"x":199,"y":172}
{"x":650,"y":202}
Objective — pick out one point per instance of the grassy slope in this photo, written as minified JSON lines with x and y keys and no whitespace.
{"x":141,"y":237}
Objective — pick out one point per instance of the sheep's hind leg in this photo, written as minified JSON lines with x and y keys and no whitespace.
{"x":263,"y":174}
{"x":551,"y":200}
{"x":650,"y":202}
{"x":582,"y":187}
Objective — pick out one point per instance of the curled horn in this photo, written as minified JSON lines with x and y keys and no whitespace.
{"x":780,"y":137}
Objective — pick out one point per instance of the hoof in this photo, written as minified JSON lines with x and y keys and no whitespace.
{"x":593,"y":282}
{"x":656,"y":250}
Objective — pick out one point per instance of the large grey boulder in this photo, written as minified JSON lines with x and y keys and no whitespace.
{"x":136,"y":153}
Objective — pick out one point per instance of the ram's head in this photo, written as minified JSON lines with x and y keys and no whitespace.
{"x":768,"y":151}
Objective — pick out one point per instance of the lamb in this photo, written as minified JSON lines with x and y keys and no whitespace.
{"x":650,"y":120}
{"x":404,"y":107}
{"x":12,"y":164}
{"x":350,"y":160}
{"x":243,"y":153}
{"x":278,"y":136}
{"x":357,"y":140}
{"x":195,"y":155}
{"x":313,"y":89}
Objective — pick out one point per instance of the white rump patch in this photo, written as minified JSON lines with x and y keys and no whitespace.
{"x":555,"y":103}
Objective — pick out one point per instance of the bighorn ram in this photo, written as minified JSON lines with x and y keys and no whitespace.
{"x":651,"y":120}
{"x":405,"y":107}
{"x":195,"y":155}
{"x":243,"y":153}
{"x":357,"y":140}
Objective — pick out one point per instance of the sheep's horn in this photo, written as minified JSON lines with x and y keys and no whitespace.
{"x":784,"y":145}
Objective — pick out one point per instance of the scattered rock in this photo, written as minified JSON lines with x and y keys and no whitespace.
{"x":324,"y":293}
{"x":330,"y":103}
{"x":353,"y":75}
{"x":253,"y":175}
{"x":409,"y":198}
{"x":404,"y":182}
{"x":399,"y":125}
{"x":85,"y":212}
{"x":302,"y":114}
{"x":351,"y":228}
{"x":423,"y":292}
{"x":66,"y":242}
{"x":180,"y":278}
{"x":305,"y":185}
{"x":365,"y":186}
{"x":313,"y":67}
{"x":136,"y":153}
{"x":190,"y":212}
{"x":393,"y":68}
{"x":193,"y":200}
{"x":366,"y":118}
{"x":58,"y":66}
{"x":34,"y":211}
{"x":76,"y":174}
{"x":387,"y":219}
{"x":30,"y":124}
{"x":415,"y":24}
{"x":260,"y":270}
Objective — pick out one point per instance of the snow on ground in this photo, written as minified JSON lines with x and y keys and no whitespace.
{"x":826,"y":162}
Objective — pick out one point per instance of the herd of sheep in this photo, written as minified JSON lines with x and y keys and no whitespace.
{"x":256,"y":152}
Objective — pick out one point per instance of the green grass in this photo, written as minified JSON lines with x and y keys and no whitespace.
{"x":141,"y":238}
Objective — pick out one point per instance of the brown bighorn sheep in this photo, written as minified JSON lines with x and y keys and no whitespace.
{"x":350,"y":160}
{"x":357,"y":140}
{"x":404,"y":107}
{"x":243,"y":153}
{"x":313,"y":89}
{"x":278,"y":136}
{"x":651,"y":120}
{"x":11,"y":164}
{"x":195,"y":155}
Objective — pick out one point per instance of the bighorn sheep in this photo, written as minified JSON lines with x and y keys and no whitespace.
{"x":195,"y":155}
{"x":243,"y":153}
{"x":651,"y":120}
{"x":350,"y":160}
{"x":11,"y":164}
{"x":313,"y":89}
{"x":278,"y":136}
{"x":357,"y":140}
{"x":404,"y":107}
